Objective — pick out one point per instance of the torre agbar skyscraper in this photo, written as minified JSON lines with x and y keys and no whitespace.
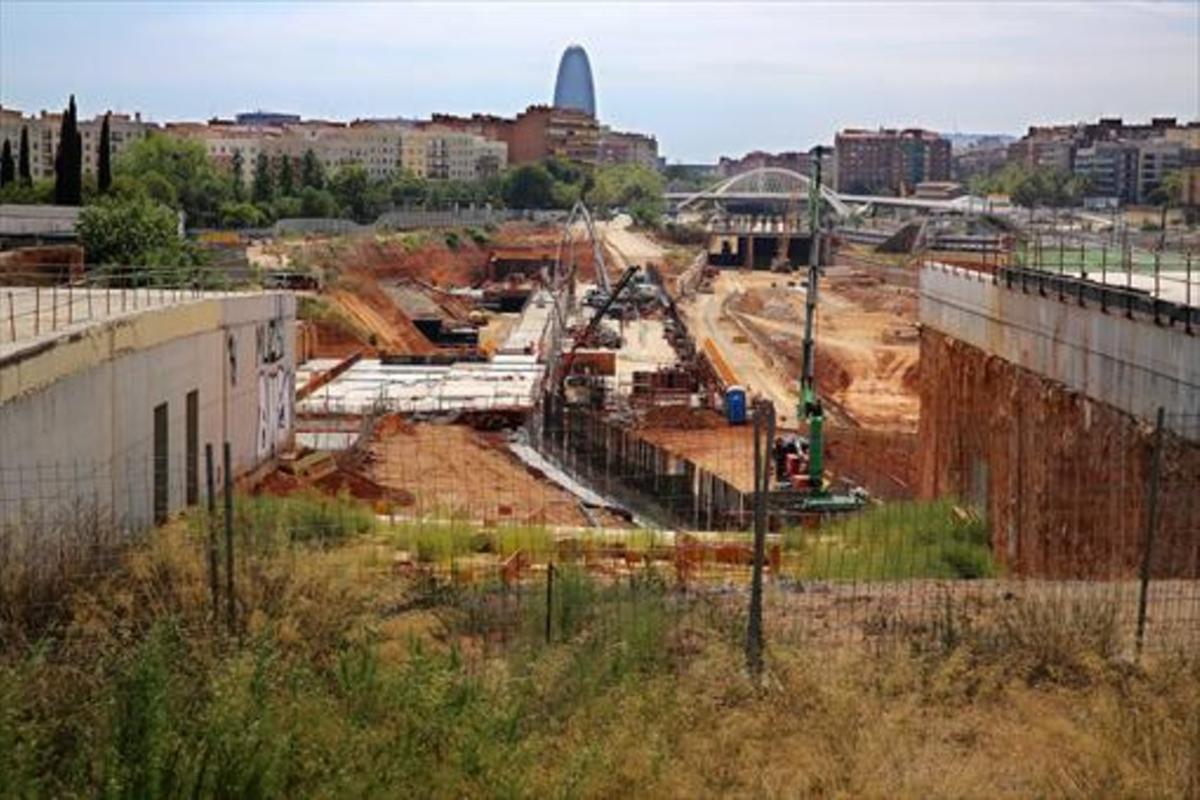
{"x":574,"y":88}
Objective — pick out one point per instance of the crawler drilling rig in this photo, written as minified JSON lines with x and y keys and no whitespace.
{"x":811,"y":482}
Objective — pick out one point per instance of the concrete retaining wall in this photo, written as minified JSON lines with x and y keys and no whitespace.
{"x":1131,"y":364}
{"x":77,"y":412}
{"x":1039,"y":413}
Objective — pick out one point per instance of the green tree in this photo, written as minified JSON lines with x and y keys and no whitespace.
{"x":237,"y":168}
{"x":311,"y":172}
{"x":36,"y":193}
{"x":633,"y":187}
{"x":409,"y":190}
{"x":262,"y":185}
{"x":24,"y":173}
{"x":284,"y":172}
{"x":240,"y":215}
{"x":1167,"y":195}
{"x":286,"y":206}
{"x":68,"y":160}
{"x":196,"y":187}
{"x":133,"y":231}
{"x":317,"y":203}
{"x":8,"y":166}
{"x":360,"y":198}
{"x":103,"y":157}
{"x":529,"y":186}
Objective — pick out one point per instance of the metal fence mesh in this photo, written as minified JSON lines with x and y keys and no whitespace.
{"x":617,"y":518}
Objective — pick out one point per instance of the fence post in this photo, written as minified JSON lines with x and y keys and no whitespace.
{"x":1151,"y":525}
{"x":1104,"y":278}
{"x":549,"y":597}
{"x":763,"y":422}
{"x":212,"y":531}
{"x":12,"y":317}
{"x":230,"y":609}
{"x":1187,"y":293}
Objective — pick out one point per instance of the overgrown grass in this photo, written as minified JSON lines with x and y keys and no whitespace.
{"x":443,"y":542}
{"x":269,"y":521}
{"x":895,"y":542}
{"x":344,"y":679}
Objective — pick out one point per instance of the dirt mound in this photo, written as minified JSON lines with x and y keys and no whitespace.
{"x":880,"y":297}
{"x":442,"y":259}
{"x":280,"y":484}
{"x":361,"y":487}
{"x":680,"y":418}
{"x":453,"y":471}
{"x":832,"y":376}
{"x":392,"y":425}
{"x":362,"y":299}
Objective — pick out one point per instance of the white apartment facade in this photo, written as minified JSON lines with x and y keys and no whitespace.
{"x":44,"y":130}
{"x":437,"y":153}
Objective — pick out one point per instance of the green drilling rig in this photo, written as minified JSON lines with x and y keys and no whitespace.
{"x":817,"y":496}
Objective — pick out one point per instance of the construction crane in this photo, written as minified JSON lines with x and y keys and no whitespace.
{"x":817,"y":495}
{"x":563,"y":368}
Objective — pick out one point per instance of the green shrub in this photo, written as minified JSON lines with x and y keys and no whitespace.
{"x":896,"y":542}
{"x":268,"y":521}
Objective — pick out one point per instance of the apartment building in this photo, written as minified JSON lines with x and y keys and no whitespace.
{"x":889,"y":160}
{"x":1123,"y":162}
{"x":440,"y":153}
{"x":1111,"y":169}
{"x":537,"y":133}
{"x":382,"y":148}
{"x":376,"y":147}
{"x":624,"y":147}
{"x":44,"y":129}
{"x":222,"y":139}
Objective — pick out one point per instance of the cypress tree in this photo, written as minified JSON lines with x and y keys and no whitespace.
{"x":24,"y":174}
{"x":311,"y":173}
{"x":68,"y":161}
{"x":262,"y":187}
{"x":284,"y":175}
{"x":8,"y":168}
{"x":238,"y":166}
{"x":103,"y":163}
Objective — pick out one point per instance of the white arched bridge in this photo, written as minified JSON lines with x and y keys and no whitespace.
{"x":777,"y":184}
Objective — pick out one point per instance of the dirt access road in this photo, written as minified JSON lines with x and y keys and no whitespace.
{"x":866,"y":343}
{"x":867,"y":350}
{"x":628,"y":246}
{"x":707,"y":319}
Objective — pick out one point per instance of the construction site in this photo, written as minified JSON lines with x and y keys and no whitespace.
{"x":590,"y":379}
{"x":598,"y":379}
{"x":468,"y":456}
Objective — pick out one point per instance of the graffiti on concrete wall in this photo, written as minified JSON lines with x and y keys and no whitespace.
{"x":276,"y":387}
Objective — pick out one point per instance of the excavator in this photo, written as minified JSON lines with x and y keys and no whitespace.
{"x":809,"y":478}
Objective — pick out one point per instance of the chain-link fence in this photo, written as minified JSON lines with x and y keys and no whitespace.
{"x":584,"y":518}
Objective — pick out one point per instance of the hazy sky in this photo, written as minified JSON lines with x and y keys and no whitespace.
{"x":707,"y":78}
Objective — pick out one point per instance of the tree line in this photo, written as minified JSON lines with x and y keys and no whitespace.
{"x":132,"y":208}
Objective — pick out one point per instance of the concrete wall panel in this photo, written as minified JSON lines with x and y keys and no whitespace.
{"x":1131,"y":364}
{"x":77,"y":417}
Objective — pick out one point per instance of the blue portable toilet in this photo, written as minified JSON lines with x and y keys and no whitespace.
{"x":735,"y":405}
